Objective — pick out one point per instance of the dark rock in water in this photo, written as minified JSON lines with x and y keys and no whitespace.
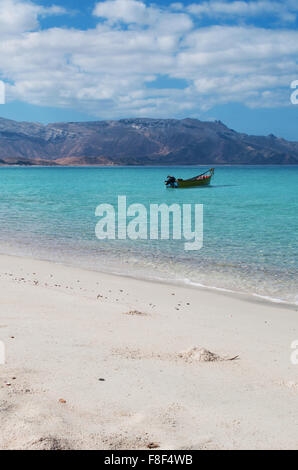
{"x":138,"y":142}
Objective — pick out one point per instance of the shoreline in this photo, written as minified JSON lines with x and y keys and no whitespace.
{"x":187,"y":283}
{"x":99,"y":361}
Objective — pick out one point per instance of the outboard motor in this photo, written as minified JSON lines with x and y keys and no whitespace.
{"x":171,"y":181}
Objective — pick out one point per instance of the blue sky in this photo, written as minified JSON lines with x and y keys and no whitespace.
{"x":75,"y":60}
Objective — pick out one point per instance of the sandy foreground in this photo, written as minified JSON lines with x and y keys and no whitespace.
{"x":96,"y":361}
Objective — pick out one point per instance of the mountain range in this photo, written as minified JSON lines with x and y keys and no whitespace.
{"x":138,"y":141}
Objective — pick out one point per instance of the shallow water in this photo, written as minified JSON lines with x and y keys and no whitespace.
{"x":250,"y":224}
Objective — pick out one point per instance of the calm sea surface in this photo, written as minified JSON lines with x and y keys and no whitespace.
{"x":250,"y":224}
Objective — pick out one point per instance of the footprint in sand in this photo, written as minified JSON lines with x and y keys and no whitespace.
{"x":48,"y":443}
{"x":192,"y":355}
{"x":290,"y":385}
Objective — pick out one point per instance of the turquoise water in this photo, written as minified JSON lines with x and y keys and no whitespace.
{"x":250,"y":224}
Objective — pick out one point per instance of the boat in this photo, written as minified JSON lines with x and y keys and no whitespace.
{"x":204,"y":179}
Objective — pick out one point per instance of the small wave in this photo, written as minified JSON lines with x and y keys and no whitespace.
{"x":275,"y":300}
{"x":221,"y":289}
{"x":198,"y":284}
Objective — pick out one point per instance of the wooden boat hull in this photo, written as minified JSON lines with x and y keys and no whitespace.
{"x":201,"y":180}
{"x":193,"y":184}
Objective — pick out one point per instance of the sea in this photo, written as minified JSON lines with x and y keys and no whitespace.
{"x":250,"y":224}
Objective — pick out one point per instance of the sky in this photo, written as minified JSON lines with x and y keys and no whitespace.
{"x":75,"y":60}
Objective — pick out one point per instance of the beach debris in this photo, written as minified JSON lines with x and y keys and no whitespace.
{"x":153,"y":445}
{"x":8,"y":384}
{"x":61,"y":400}
{"x":198,"y":354}
{"x":135,"y":312}
{"x":234,"y":358}
{"x":101,"y":379}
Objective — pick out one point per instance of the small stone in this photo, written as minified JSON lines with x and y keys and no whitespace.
{"x":62,"y":401}
{"x":153,"y":445}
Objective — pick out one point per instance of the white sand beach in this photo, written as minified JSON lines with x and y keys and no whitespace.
{"x":95,"y":361}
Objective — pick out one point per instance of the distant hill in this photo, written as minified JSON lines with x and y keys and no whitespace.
{"x":138,"y":142}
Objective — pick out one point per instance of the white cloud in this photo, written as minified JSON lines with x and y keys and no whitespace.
{"x":17,"y":16}
{"x":128,"y":11}
{"x":136,"y":12}
{"x":286,"y":11}
{"x":105,"y":71}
